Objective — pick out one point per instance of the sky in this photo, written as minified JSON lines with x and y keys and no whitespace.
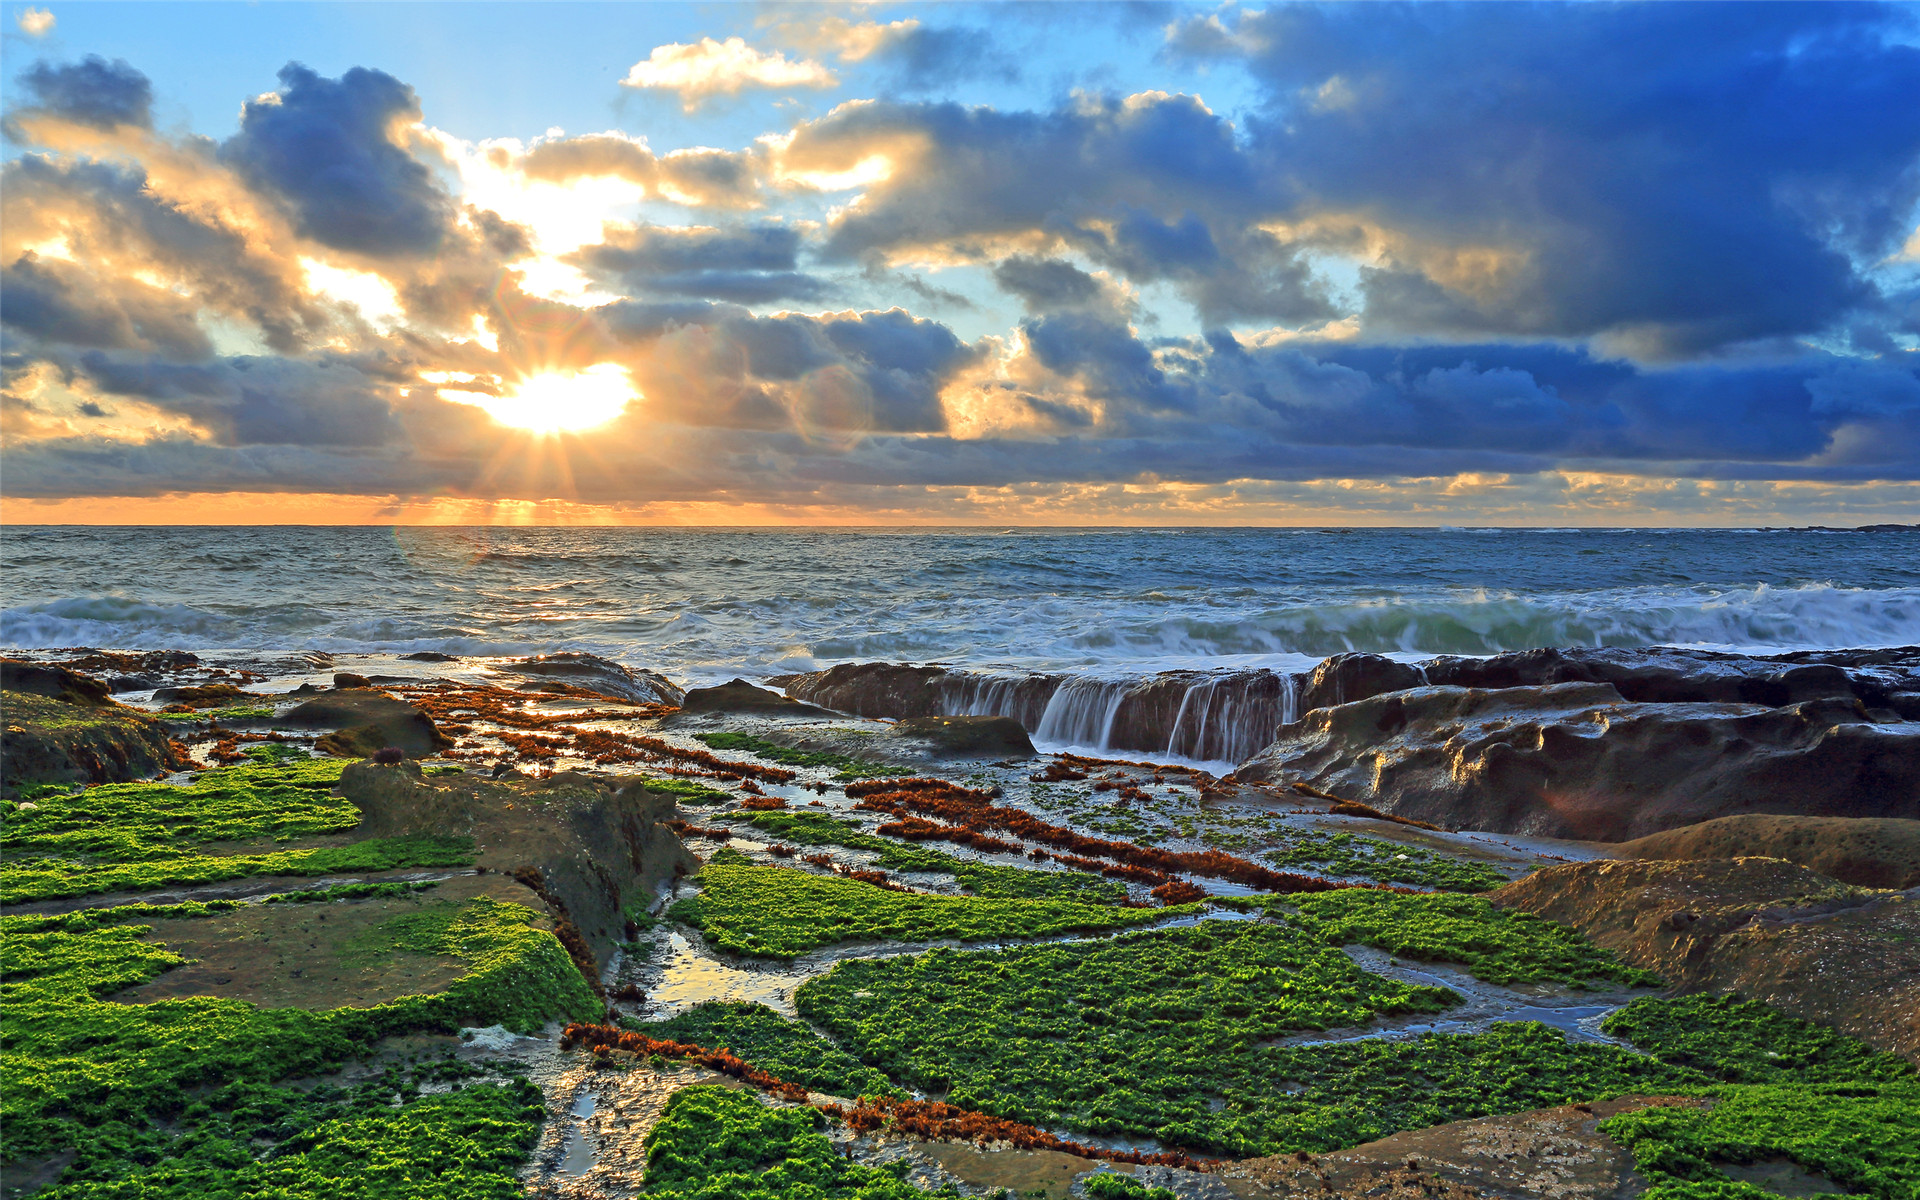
{"x":1372,"y":264}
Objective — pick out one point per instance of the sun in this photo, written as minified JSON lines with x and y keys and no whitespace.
{"x":557,"y":401}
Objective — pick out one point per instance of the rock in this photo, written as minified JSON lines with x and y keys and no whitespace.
{"x":131,"y":683}
{"x":597,"y":674}
{"x":1668,"y":675}
{"x":1554,"y":1152}
{"x":347,"y":679}
{"x":211,"y":695}
{"x":596,"y":851}
{"x":55,"y":683}
{"x":151,"y":662}
{"x":1843,"y":956}
{"x":430,"y":656}
{"x":1220,"y":716}
{"x":892,"y":690}
{"x":739,"y":696}
{"x":1575,"y":760}
{"x":968,"y":737}
{"x":1345,"y":678}
{"x":366,"y":721}
{"x":1868,"y":851}
{"x":45,"y":740}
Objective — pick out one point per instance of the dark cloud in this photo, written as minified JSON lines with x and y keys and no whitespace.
{"x":978,"y":174}
{"x":116,"y":223}
{"x":1155,"y":187}
{"x":867,"y":372}
{"x":750,"y":265}
{"x":326,"y":146}
{"x":58,"y":302}
{"x":923,"y":58}
{"x":1046,"y":284}
{"x":93,"y":92}
{"x":1678,"y":177}
{"x":246,"y":401}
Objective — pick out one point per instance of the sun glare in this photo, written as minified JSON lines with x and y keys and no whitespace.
{"x":558,"y":401}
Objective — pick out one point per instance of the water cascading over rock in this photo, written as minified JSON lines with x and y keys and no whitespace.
{"x":1219,"y":717}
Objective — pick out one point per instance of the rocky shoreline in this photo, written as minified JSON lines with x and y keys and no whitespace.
{"x":1774,"y":803}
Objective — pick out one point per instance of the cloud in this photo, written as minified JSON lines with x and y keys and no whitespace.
{"x":59,"y":302}
{"x":700,"y":177}
{"x":186,"y":227}
{"x":748,"y":265}
{"x":333,"y":150}
{"x":1671,"y":178}
{"x":920,"y":57}
{"x":707,"y":68}
{"x":35,"y":22}
{"x":92,"y":92}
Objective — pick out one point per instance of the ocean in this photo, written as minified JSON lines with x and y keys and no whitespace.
{"x":702,"y":605}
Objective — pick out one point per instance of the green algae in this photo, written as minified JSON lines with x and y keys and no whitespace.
{"x":1494,"y":945}
{"x":1865,"y":1140}
{"x":129,"y":836}
{"x":720,"y":1143}
{"x":1169,"y":1034}
{"x":75,"y":1064}
{"x":982,"y":879}
{"x":773,"y":1044}
{"x":688,"y":791}
{"x":1382,"y":861}
{"x":45,"y":879}
{"x":780,"y":912}
{"x":379,"y":1140}
{"x":132,"y":822}
{"x":847,"y":766}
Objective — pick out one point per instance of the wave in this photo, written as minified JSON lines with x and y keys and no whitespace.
{"x":1758,"y":619}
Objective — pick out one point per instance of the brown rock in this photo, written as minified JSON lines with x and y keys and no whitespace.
{"x":596,"y":674}
{"x":893,"y":690}
{"x":1843,"y":956}
{"x":596,"y":851}
{"x":44,"y":740}
{"x":1869,"y":851}
{"x":968,"y":737}
{"x":1575,"y":760}
{"x":366,"y":720}
{"x":1546,"y":1154}
{"x":56,"y":683}
{"x":739,"y":696}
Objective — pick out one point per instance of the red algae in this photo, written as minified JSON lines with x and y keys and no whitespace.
{"x":929,"y":1120}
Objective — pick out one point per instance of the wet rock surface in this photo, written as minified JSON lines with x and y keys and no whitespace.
{"x":1839,"y":955}
{"x":1576,"y":760}
{"x":53,"y":682}
{"x":968,"y":737}
{"x":589,"y":848}
{"x":594,"y":674}
{"x":366,"y":720}
{"x":44,"y":740}
{"x":739,"y":696}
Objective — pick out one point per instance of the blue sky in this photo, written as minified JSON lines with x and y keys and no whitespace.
{"x":1372,"y":264}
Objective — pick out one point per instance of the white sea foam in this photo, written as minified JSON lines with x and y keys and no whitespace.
{"x":705,"y":605}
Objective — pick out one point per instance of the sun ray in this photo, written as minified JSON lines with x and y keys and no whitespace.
{"x":560,"y":401}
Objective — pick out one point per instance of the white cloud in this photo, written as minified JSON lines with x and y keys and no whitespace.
{"x":35,"y":22}
{"x":708,"y":68}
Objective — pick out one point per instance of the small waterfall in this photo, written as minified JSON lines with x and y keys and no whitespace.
{"x":1217,"y":717}
{"x":1081,"y":711}
{"x":1022,"y":697}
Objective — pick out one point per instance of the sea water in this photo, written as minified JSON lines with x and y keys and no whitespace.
{"x":702,"y":605}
